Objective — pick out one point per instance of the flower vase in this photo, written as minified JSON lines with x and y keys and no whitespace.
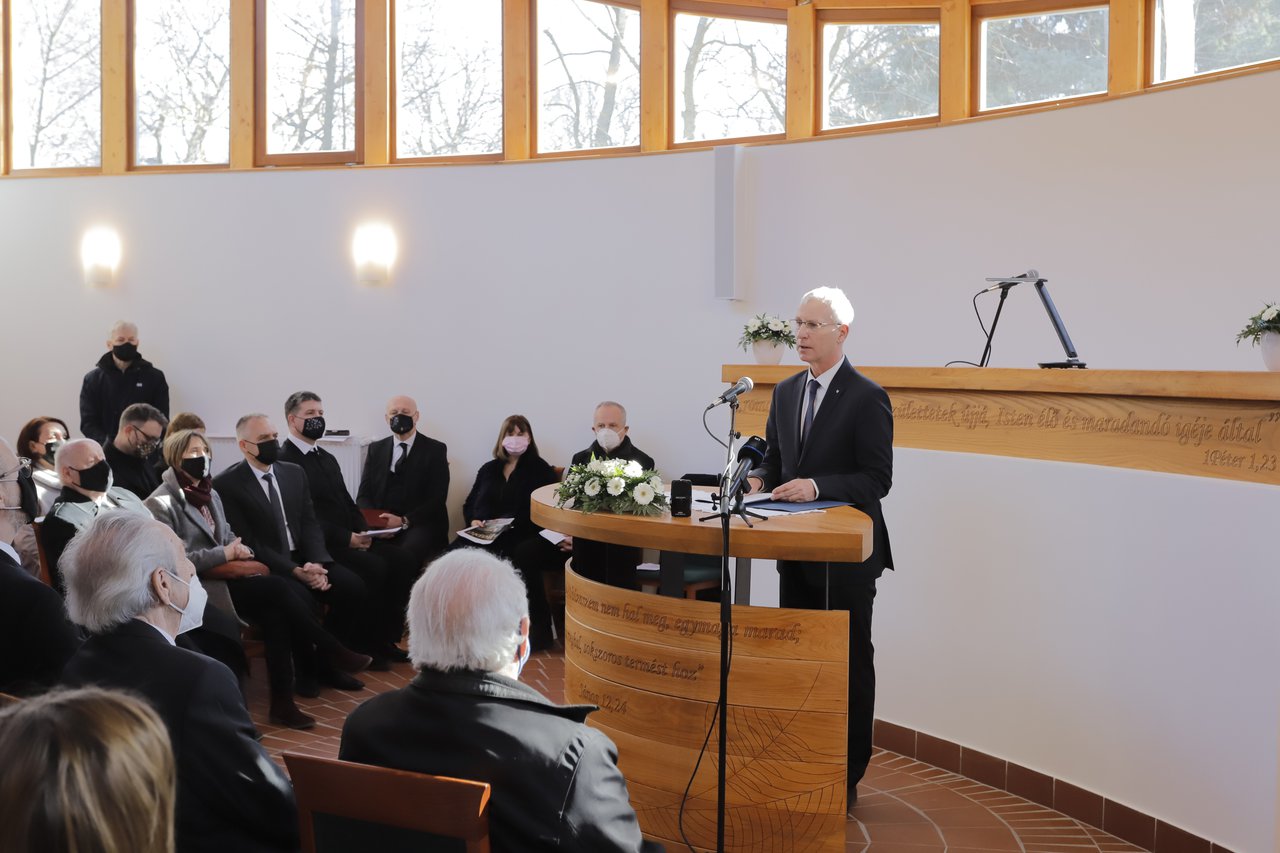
{"x":769,"y":352}
{"x":1271,"y":350}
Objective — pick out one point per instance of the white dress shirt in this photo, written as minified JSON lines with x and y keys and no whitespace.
{"x":395,"y":448}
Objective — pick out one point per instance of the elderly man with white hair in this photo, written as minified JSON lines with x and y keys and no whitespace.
{"x":130,"y":584}
{"x":120,"y":378}
{"x":556,"y":782}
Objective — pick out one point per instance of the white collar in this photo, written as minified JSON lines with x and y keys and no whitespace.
{"x":301,"y":444}
{"x":396,"y":441}
{"x":824,"y":378}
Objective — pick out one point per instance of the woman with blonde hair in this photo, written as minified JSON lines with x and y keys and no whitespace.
{"x":85,"y":771}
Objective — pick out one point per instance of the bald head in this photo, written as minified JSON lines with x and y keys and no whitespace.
{"x":402,"y":416}
{"x":75,"y":456}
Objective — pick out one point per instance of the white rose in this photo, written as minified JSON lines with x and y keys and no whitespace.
{"x":643,"y":493}
{"x":592,"y":488}
{"x":1271,"y":313}
{"x":775,"y":325}
{"x":597,"y":466}
{"x":617,"y":486}
{"x":632,"y":469}
{"x":753,"y":325}
{"x":655,"y":481}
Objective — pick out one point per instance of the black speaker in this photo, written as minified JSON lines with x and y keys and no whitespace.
{"x":681,"y":498}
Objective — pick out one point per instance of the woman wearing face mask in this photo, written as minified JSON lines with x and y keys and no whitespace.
{"x":502,"y":489}
{"x":236,"y":583}
{"x":39,"y":441}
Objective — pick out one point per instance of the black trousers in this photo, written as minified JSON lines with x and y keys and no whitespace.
{"x":531,"y":555}
{"x":388,"y":572}
{"x":422,"y":543}
{"x":855,"y":594}
{"x":606,"y":563}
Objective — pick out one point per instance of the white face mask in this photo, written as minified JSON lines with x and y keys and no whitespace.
{"x":524,"y":657}
{"x":608,"y":439}
{"x":193,"y":613}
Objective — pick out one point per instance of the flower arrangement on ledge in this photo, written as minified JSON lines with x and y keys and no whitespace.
{"x":612,"y":485}
{"x":1266,"y":320}
{"x":765,"y":327}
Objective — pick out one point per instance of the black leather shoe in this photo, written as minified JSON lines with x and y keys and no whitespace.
{"x":346,"y":660}
{"x":306,"y":687}
{"x":379,"y":664}
{"x":395,"y":654}
{"x":342,"y":681}
{"x":285,"y":713}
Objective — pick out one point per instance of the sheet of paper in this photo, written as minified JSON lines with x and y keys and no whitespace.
{"x":382,"y":533}
{"x":553,"y":537}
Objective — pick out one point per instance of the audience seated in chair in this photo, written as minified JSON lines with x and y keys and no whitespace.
{"x":130,"y":584}
{"x":36,"y":640}
{"x":556,"y":783}
{"x":120,"y":379}
{"x":85,"y":771}
{"x":406,"y":475}
{"x":238,"y":584}
{"x":268,"y":504}
{"x":132,"y":451}
{"x":387,"y":570}
{"x":39,"y":441}
{"x":19,"y":506}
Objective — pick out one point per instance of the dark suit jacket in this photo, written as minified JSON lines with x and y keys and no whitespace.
{"x":425,"y":472}
{"x":556,"y":783}
{"x":849,"y":454}
{"x":249,"y":514}
{"x":35,"y":634}
{"x":71,"y":513}
{"x":231,"y":795}
{"x":337,"y":513}
{"x":106,"y":393}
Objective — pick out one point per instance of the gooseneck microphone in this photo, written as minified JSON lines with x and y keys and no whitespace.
{"x":750,"y":455}
{"x":731,"y":395}
{"x":1006,"y":283}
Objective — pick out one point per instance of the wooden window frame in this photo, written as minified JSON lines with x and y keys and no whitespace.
{"x":345,"y":157}
{"x":920,"y":14}
{"x":771,"y":13}
{"x":6,"y":97}
{"x":393,"y":109}
{"x":535,"y":99}
{"x":986,"y":10}
{"x":1149,"y":59}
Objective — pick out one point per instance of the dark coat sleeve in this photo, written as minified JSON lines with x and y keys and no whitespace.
{"x":367,"y":496}
{"x":770,"y":471}
{"x":310,"y":539}
{"x":160,"y":398}
{"x":871,"y":431}
{"x":432,"y":511}
{"x":55,"y":533}
{"x":476,"y":503}
{"x":235,"y":505}
{"x":91,"y":407}
{"x":598,"y":816}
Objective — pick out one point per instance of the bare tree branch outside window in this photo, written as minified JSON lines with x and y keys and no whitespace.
{"x":879,"y":72}
{"x":182,"y":75}
{"x":448,"y":77}
{"x":57,"y":89}
{"x":311,"y":76}
{"x":731,"y":77}
{"x":1044,"y":57}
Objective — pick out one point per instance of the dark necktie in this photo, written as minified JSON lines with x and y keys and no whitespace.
{"x":404,"y":451}
{"x":807,"y":424}
{"x":277,"y":509}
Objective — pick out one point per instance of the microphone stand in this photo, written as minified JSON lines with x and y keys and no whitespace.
{"x":1004,"y":294}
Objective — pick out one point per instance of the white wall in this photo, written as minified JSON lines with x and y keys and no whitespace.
{"x":1108,"y":627}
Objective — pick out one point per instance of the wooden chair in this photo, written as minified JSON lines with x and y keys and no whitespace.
{"x":6,"y":700}
{"x":696,"y":577}
{"x":45,"y":574}
{"x":377,"y":808}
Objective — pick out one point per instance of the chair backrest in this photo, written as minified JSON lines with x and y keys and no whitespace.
{"x":400,"y":808}
{"x":6,"y":700}
{"x":45,"y":574}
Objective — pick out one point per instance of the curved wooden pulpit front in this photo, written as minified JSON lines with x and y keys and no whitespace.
{"x":652,"y":665}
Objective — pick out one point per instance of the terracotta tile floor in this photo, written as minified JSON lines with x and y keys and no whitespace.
{"x":904,"y":806}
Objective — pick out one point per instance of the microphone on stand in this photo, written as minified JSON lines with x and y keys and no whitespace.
{"x":750,"y":455}
{"x":1006,"y":283}
{"x":731,"y":395}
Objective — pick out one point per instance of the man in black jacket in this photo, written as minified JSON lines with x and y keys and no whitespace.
{"x":35,"y":635}
{"x":268,"y":504}
{"x":120,"y":379}
{"x":406,"y":475}
{"x":130,"y":584}
{"x":135,"y":444}
{"x":388,"y":570}
{"x":556,"y":782}
{"x":830,"y":434}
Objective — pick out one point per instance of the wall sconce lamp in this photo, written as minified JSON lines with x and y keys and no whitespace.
{"x":374,"y":248}
{"x":100,"y":255}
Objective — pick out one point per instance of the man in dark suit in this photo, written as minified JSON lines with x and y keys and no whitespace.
{"x":268,"y":504}
{"x":387,"y":570}
{"x":120,"y":378}
{"x":830,"y":435}
{"x":131,"y":586}
{"x":34,"y":632}
{"x":406,"y":474}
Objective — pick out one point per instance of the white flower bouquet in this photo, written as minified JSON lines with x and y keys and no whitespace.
{"x":612,"y":485}
{"x":765,"y":327}
{"x":1266,"y":320}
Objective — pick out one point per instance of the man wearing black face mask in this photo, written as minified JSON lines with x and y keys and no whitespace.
{"x":128,"y":454}
{"x":387,"y":570}
{"x":120,"y":379}
{"x":406,"y":477}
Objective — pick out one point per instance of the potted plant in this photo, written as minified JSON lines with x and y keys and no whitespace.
{"x":1264,"y":328}
{"x":767,"y":335}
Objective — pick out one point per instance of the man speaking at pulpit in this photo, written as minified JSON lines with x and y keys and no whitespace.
{"x":830,"y":437}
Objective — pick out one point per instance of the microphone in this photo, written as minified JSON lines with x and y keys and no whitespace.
{"x":750,"y":455}
{"x":1006,"y":283}
{"x":731,"y":395}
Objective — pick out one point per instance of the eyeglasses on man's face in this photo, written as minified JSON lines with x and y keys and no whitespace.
{"x":799,"y":325}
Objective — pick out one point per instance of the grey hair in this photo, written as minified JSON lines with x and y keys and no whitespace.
{"x":465,"y":613}
{"x":120,"y":326}
{"x":244,"y":420}
{"x":107,"y":567}
{"x":297,"y":398}
{"x":60,"y":458}
{"x":604,"y":403}
{"x":833,"y":298}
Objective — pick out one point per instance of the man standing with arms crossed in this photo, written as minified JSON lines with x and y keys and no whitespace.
{"x":830,"y":435}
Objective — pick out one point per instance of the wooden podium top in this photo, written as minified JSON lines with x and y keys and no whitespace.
{"x":838,"y":535}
